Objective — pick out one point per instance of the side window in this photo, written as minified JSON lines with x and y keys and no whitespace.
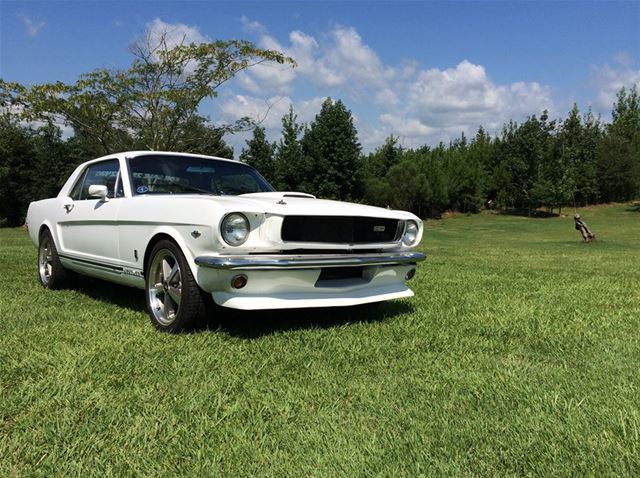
{"x":104,"y":173}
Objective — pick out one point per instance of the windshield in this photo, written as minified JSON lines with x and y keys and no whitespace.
{"x":163,"y":174}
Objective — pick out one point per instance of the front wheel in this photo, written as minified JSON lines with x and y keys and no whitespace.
{"x":174,"y":300}
{"x":51,"y":273}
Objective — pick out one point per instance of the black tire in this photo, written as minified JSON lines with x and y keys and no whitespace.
{"x":166,"y":312}
{"x":51,"y":273}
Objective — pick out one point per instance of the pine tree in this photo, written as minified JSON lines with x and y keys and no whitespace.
{"x":587,"y":181}
{"x":618,"y":162}
{"x":289,"y":165}
{"x":626,"y":114}
{"x":332,"y":150}
{"x":259,"y":154}
{"x":375,"y":167}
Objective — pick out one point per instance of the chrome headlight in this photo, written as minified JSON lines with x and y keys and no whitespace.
{"x":235,"y":229}
{"x":410,"y":235}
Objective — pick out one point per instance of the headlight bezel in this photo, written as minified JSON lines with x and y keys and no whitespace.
{"x":225,"y":221}
{"x":410,"y":224}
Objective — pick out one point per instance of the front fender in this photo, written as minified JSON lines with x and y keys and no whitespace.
{"x":192,"y":240}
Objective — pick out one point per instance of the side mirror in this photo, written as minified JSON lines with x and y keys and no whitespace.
{"x":98,"y":191}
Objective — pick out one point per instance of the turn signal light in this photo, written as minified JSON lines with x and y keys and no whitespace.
{"x":410,"y":274}
{"x":238,"y":282}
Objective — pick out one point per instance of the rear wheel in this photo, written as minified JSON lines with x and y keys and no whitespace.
{"x":174,"y":300}
{"x":51,"y":273}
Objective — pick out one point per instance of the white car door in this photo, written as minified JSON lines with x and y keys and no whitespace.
{"x":88,"y":228}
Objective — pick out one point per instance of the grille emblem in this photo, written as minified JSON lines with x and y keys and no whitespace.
{"x":378,"y":228}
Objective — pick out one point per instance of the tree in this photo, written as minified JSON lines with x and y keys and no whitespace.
{"x":587,"y":179}
{"x":465,"y":172}
{"x":33,"y":165}
{"x":626,"y":114}
{"x":408,"y":185}
{"x":618,"y":169}
{"x":16,"y":152}
{"x":290,"y":165}
{"x":618,"y":157}
{"x":259,"y":154}
{"x":153,"y":103}
{"x":375,"y":167}
{"x":378,"y":163}
{"x":333,"y":154}
{"x":200,"y":137}
{"x":556,"y":184}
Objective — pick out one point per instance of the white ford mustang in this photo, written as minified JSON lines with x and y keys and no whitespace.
{"x":188,"y":228}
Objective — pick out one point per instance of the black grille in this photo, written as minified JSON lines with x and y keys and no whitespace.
{"x":340,"y":229}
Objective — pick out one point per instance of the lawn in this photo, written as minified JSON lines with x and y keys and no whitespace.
{"x":518,"y":356}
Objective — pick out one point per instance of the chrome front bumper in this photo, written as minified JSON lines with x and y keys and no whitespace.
{"x":267,"y":262}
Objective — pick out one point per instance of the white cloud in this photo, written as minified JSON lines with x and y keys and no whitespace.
{"x":387,"y":98}
{"x":160,"y":35}
{"x":607,"y":80}
{"x":348,"y":59}
{"x":344,"y":59}
{"x":403,"y":126}
{"x":267,"y":112}
{"x":251,"y":26}
{"x":173,"y":34}
{"x":273,"y":77}
{"x":31,"y":26}
{"x":464,"y":97}
{"x":418,"y":105}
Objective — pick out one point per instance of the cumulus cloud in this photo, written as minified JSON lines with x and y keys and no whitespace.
{"x":160,"y":35}
{"x":351,"y":60}
{"x":32,"y":27}
{"x":417,"y":104}
{"x":344,"y":59}
{"x":464,"y":97}
{"x":268,"y":112}
{"x":607,"y":80}
{"x":173,"y":34}
{"x":405,"y":126}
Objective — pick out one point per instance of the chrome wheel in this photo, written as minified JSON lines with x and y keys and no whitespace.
{"x":165,"y":287}
{"x":45,"y":260}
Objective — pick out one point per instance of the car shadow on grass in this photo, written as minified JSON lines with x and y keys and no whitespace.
{"x":110,"y":293}
{"x":250,"y":324}
{"x":261,"y":323}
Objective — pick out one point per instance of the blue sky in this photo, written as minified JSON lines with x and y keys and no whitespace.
{"x":424,"y":71}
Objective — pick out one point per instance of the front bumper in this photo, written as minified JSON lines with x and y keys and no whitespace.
{"x":268,"y":262}
{"x":293,"y":281}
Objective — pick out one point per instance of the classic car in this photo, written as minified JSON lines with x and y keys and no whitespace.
{"x":195,"y":231}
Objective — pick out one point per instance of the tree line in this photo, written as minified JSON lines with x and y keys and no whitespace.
{"x":539,"y":163}
{"x":154,"y":105}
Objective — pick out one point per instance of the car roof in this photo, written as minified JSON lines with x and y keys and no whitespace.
{"x":133,"y":154}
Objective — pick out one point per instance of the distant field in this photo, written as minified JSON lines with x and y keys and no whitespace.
{"x":518,"y":356}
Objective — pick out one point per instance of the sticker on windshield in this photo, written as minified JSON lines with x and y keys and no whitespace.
{"x":142,"y":190}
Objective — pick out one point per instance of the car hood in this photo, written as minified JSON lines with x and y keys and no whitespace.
{"x":301,"y":204}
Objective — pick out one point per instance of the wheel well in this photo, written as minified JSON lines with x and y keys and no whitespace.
{"x":154,"y":240}
{"x":43,"y":228}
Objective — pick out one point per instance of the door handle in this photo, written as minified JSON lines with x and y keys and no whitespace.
{"x":68,"y":208}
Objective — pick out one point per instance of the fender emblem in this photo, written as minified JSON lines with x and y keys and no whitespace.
{"x":196,"y":234}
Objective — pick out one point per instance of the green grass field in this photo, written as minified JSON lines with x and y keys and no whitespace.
{"x":518,"y":356}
